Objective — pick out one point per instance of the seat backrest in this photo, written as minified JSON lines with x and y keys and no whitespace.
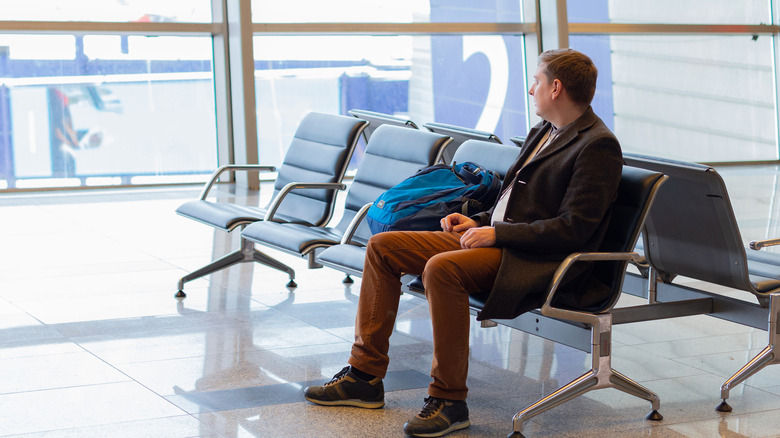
{"x":376,"y":120}
{"x":319,"y":153}
{"x":492,"y":156}
{"x":518,"y":140}
{"x":692,"y":230}
{"x":392,"y":155}
{"x":636,"y":193}
{"x":459,"y":135}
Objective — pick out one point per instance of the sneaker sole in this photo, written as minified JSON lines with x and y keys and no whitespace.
{"x":452,"y":428}
{"x":351,"y":402}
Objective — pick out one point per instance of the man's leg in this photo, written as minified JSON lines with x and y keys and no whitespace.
{"x":388,"y":257}
{"x":448,"y":279}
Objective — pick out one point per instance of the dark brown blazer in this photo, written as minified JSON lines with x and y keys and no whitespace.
{"x":559,"y":204}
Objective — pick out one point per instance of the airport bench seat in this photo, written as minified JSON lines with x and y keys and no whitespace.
{"x":692,"y":232}
{"x":305,"y":189}
{"x":392,"y":154}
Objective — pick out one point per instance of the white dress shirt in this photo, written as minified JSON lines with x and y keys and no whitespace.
{"x":500,"y":210}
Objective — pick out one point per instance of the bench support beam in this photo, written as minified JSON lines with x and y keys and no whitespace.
{"x":723,"y":307}
{"x":651,"y":312}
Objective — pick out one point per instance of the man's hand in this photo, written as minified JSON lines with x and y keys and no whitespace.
{"x":474,"y":236}
{"x":457,"y":222}
{"x":479,"y":237}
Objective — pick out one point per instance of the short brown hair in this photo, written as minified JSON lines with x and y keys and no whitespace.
{"x":574,"y":69}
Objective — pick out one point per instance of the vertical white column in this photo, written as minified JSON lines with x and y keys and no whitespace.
{"x":776,"y":76}
{"x":221,"y":70}
{"x":533,"y":47}
{"x":234,"y":75}
{"x":554,"y":23}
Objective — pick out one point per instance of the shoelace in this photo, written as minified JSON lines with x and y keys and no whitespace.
{"x":432,"y":404}
{"x":338,"y":376}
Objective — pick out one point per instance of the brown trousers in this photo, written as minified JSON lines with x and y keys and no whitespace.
{"x":449,"y":274}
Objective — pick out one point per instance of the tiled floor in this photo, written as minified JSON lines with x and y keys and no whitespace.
{"x":93,"y":343}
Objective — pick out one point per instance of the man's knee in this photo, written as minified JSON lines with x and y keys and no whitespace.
{"x":440,"y":268}
{"x":379,"y":242}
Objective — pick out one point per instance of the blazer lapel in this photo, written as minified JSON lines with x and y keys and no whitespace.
{"x":567,"y":135}
{"x":534,"y":136}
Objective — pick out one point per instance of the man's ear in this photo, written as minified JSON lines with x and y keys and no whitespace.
{"x":557,"y":88}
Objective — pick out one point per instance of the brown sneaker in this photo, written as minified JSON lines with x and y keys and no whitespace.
{"x":438,"y":417}
{"x":347,"y":389}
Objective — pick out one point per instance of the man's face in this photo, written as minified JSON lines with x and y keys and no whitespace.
{"x":541,"y":90}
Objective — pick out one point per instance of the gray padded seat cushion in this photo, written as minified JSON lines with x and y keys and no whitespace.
{"x":763,"y":263}
{"x":494,"y":156}
{"x":763,"y":284}
{"x":291,"y":237}
{"x":351,"y":257}
{"x":226,"y":216}
{"x":764,"y":269}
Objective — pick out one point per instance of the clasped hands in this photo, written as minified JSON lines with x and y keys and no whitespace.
{"x":473,"y":235}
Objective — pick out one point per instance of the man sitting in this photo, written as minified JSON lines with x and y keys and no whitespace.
{"x":555,"y":200}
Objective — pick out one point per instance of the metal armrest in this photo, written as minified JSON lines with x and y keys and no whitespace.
{"x":640,"y":262}
{"x":232,"y":167}
{"x":446,"y":129}
{"x":560,"y":273}
{"x":277,"y":201}
{"x":758,"y":244}
{"x":355,"y":223}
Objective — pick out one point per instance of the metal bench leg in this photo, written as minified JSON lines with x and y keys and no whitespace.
{"x":764,"y":358}
{"x":600,"y":376}
{"x":247,"y":253}
{"x":623,"y":383}
{"x":230,"y":259}
{"x":271,"y":263}
{"x":576,"y":387}
{"x":312,"y":258}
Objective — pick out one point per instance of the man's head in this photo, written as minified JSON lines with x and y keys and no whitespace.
{"x":564,"y":85}
{"x":575,"y":71}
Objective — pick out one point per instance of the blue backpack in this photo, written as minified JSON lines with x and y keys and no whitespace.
{"x":419,"y":202}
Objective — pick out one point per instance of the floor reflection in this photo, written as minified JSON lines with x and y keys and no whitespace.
{"x":91,"y":335}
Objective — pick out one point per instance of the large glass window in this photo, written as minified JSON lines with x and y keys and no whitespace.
{"x":382,"y":11}
{"x":94,"y":109}
{"x":105,"y":110}
{"x":670,"y":11}
{"x":704,"y":98}
{"x":473,"y":81}
{"x":197,"y":11}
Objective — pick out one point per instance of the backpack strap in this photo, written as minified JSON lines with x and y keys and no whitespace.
{"x":469,"y":172}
